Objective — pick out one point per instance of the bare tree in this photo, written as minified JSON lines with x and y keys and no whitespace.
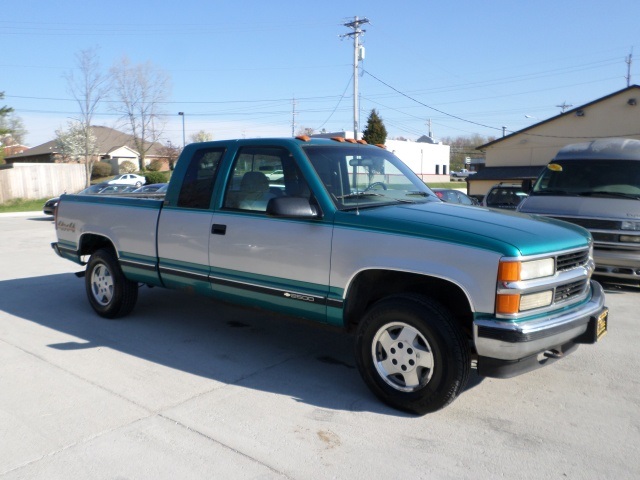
{"x":170,"y":152}
{"x":89,"y":87}
{"x":140,"y":91}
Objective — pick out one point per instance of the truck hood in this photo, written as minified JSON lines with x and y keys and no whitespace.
{"x":587,"y":207}
{"x":508,"y":233}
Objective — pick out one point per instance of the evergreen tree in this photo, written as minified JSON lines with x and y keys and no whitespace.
{"x":375,"y":133}
{"x":4,"y":111}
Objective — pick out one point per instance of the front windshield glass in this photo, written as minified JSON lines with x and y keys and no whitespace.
{"x":590,"y":177}
{"x":360,"y":176}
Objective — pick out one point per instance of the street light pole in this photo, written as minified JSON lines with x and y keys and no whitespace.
{"x":183,"y":139}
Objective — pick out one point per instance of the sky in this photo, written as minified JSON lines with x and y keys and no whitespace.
{"x":256,"y":68}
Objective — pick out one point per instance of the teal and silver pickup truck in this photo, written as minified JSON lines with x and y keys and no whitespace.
{"x":344,"y":233}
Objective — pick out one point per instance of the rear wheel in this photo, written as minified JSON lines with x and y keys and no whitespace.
{"x":110,"y":293}
{"x":411,"y":354}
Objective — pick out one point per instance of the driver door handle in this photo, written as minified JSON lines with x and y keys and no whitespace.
{"x":218,"y":229}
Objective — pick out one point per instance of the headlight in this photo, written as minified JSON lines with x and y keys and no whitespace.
{"x":516,"y":271}
{"x":630,"y":238}
{"x":627,"y":225}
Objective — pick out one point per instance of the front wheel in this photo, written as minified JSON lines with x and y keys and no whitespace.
{"x":110,"y":293}
{"x":411,"y":354}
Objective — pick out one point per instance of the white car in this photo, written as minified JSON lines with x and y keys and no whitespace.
{"x":275,"y":175}
{"x":128,"y":179}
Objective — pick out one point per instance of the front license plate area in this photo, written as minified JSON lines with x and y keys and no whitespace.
{"x":602,"y":324}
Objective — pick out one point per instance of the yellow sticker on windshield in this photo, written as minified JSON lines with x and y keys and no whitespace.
{"x":554,"y":167}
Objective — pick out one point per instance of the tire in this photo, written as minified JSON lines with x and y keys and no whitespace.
{"x":138,"y":184}
{"x":411,"y":354}
{"x":110,"y":293}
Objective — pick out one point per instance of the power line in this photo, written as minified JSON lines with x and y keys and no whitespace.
{"x":430,"y":107}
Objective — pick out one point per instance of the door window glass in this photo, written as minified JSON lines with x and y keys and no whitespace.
{"x":260,"y":174}
{"x":197,"y":186}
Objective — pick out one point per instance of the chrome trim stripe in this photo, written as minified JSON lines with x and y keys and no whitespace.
{"x":139,"y":265}
{"x":203,"y":277}
{"x":252,"y":287}
{"x":288,"y":294}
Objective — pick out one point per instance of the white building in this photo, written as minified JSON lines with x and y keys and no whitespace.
{"x":428,"y":160}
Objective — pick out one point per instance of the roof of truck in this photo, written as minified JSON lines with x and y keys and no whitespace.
{"x":602,"y":148}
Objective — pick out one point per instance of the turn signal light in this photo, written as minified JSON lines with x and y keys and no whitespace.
{"x":507,"y":304}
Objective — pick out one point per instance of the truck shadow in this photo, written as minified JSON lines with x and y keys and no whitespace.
{"x":239,"y":346}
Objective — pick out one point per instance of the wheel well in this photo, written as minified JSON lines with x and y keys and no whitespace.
{"x":372,"y":285}
{"x":90,"y":243}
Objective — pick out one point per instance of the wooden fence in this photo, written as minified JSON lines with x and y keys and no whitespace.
{"x":40,"y":180}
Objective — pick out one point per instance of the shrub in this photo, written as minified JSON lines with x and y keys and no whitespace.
{"x":156,"y":177}
{"x":155,"y":165}
{"x":127,"y":167}
{"x":101,"y":169}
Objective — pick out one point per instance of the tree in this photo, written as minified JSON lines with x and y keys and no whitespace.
{"x":140,"y":91}
{"x":76,"y":143}
{"x":4,"y":131}
{"x":201,"y":136}
{"x":305,"y":131}
{"x":463,"y":147}
{"x":375,"y":132}
{"x":88,"y":90}
{"x":15,"y":128}
{"x":170,"y":152}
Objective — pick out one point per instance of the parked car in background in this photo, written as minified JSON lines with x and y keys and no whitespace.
{"x":461,"y":174}
{"x":451,"y":195}
{"x":275,"y":175}
{"x":152,"y":188}
{"x":506,"y":196}
{"x":128,"y":179}
{"x":50,"y":205}
{"x":596,"y":185}
{"x":117,"y":188}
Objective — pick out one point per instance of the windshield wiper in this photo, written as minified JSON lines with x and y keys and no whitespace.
{"x":360,"y":194}
{"x":419,"y":193}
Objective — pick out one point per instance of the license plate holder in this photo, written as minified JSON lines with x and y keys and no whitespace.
{"x":601,"y":324}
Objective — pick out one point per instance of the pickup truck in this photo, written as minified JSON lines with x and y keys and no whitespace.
{"x":349,"y":236}
{"x":462,"y":173}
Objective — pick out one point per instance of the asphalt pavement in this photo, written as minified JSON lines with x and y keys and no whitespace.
{"x":187,"y":387}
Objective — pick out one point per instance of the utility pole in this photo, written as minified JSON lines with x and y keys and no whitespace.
{"x":358,"y":55}
{"x":628,"y":62}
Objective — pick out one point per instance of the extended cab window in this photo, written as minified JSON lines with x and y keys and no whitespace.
{"x":260,"y":174}
{"x":197,"y":186}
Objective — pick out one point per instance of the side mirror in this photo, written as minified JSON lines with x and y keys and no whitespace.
{"x":292,"y":207}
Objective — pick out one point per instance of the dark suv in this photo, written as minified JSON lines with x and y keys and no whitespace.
{"x":506,"y":196}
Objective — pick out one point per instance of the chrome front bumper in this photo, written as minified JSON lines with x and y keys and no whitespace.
{"x":502,"y":340}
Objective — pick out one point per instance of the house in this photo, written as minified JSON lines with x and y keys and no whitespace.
{"x":522,"y":154}
{"x":113,"y":146}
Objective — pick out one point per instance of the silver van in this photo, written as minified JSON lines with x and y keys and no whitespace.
{"x":596,"y":185}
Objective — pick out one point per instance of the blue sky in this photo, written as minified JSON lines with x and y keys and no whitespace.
{"x":469,"y":66}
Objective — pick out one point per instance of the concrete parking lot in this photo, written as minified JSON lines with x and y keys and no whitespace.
{"x":187,"y":387}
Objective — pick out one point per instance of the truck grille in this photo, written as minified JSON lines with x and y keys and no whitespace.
{"x":567,"y":292}
{"x":572,"y":260}
{"x":593,"y":223}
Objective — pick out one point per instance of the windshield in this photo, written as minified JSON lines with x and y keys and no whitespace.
{"x":590,"y":177}
{"x":357,"y":176}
